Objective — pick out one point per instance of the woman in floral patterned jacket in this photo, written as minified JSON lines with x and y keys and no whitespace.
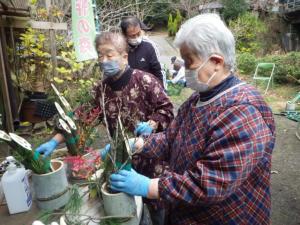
{"x":135,"y":95}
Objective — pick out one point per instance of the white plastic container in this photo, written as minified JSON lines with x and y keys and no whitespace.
{"x":16,"y":189}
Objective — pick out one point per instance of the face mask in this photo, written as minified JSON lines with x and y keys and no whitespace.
{"x":192,"y":81}
{"x":110,"y":68}
{"x":135,"y":41}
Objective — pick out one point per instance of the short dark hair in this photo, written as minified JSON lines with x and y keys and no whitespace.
{"x":129,"y":21}
{"x":113,"y":38}
{"x":173,"y":59}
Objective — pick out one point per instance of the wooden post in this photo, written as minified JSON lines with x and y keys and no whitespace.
{"x":52,"y":39}
{"x":4,"y":87}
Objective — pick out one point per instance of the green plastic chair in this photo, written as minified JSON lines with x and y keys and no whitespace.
{"x":264,"y":72}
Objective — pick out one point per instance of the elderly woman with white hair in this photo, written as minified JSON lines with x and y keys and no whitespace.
{"x":219,"y":145}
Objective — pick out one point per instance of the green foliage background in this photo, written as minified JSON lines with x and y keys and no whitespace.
{"x":233,"y":8}
{"x":249,"y":32}
{"x":287,"y":66}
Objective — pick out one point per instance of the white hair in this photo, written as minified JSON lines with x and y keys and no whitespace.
{"x":207,"y":34}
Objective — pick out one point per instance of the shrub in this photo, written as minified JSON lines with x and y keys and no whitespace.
{"x":178,"y":19}
{"x":170,"y":25}
{"x":287,"y":67}
{"x":248,"y":30}
{"x":246,"y":63}
{"x":174,"y":25}
{"x":233,"y":8}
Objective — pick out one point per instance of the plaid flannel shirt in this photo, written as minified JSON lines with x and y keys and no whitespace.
{"x":220,"y":158}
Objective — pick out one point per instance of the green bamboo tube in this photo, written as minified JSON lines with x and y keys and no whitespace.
{"x":72,"y":126}
{"x":60,"y":111}
{"x":23,"y":152}
{"x":74,"y":130}
{"x":55,"y":90}
{"x":26,"y":155}
{"x":6,"y":138}
{"x":20,"y":142}
{"x":123,"y":153}
{"x":62,"y":99}
{"x":65,"y":104}
{"x":67,"y":133}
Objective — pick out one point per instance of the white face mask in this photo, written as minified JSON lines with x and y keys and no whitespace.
{"x":193,"y":82}
{"x":135,"y":41}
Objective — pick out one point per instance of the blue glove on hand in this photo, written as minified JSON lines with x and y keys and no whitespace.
{"x":143,"y":128}
{"x":130,"y":182}
{"x":46,"y":149}
{"x":104,"y":151}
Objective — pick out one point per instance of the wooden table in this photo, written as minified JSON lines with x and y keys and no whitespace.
{"x":91,"y":207}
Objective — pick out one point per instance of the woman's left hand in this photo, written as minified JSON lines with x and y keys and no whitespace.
{"x":130,"y":182}
{"x":143,"y":128}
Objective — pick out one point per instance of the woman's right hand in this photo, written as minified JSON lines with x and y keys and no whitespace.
{"x":46,"y":149}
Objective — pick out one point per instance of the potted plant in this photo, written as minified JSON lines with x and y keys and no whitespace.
{"x":78,"y":132}
{"x":35,"y":59}
{"x":33,"y":65}
{"x":119,"y":205}
{"x":49,"y":177}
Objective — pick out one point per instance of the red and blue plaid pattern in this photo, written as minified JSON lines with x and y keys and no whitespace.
{"x":220,"y":158}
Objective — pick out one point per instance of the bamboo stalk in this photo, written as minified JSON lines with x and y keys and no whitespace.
{"x":67,"y":133}
{"x":20,"y":142}
{"x":23,"y":151}
{"x":74,"y":130}
{"x":6,"y":138}
{"x":60,"y":110}
{"x":123,"y":150}
{"x":65,"y":104}
{"x":62,"y":99}
{"x":72,"y":126}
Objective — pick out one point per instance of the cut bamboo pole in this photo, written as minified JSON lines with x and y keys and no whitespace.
{"x":67,"y":133}
{"x":20,"y":142}
{"x":62,"y":99}
{"x":5,"y":138}
{"x":23,"y":152}
{"x":60,"y":110}
{"x":73,"y":128}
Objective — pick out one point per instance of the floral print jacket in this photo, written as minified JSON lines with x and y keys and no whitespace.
{"x":137,"y":96}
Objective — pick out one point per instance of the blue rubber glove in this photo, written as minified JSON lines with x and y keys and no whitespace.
{"x":130,"y":182}
{"x":104,"y":151}
{"x":143,"y":128}
{"x":46,"y":149}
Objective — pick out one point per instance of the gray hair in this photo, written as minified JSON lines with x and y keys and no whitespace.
{"x":113,"y":38}
{"x":207,"y":34}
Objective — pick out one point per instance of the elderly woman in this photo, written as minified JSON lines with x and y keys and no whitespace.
{"x":219,"y":145}
{"x":136,"y":95}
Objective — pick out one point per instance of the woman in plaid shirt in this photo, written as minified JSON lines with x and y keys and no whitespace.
{"x":218,"y":147}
